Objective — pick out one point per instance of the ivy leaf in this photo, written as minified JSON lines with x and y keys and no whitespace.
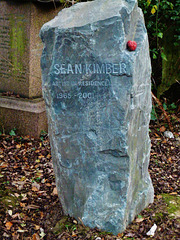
{"x":171,"y":5}
{"x":163,"y":56}
{"x":153,"y":115}
{"x":148,"y":2}
{"x":160,"y":35}
{"x":154,"y":9}
{"x":154,"y":56}
{"x":12,"y":132}
{"x":172,"y":106}
{"x":165,"y":106}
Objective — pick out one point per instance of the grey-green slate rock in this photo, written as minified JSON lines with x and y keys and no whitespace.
{"x":98,"y":100}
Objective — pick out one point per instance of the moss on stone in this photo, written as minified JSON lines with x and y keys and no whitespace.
{"x":17,"y":44}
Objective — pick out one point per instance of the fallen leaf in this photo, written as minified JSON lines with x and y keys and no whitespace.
{"x":162,"y":129}
{"x":138,"y":220}
{"x":36,"y":227}
{"x":88,"y":235}
{"x":43,"y":180}
{"x":170,"y":159}
{"x":35,"y":237}
{"x":23,"y":179}
{"x":42,"y":214}
{"x":22,"y":204}
{"x":42,"y":234}
{"x":120,"y":234}
{"x":55,"y":191}
{"x":74,"y":235}
{"x":151,"y":232}
{"x":3,"y":165}
{"x":129,"y":235}
{"x":6,"y":235}
{"x":48,"y":184}
{"x":35,"y":187}
{"x":16,"y":195}
{"x":159,"y":196}
{"x":156,"y":135}
{"x":8,"y":225}
{"x":173,"y":193}
{"x":10,"y":212}
{"x":15,"y":215}
{"x":21,"y":230}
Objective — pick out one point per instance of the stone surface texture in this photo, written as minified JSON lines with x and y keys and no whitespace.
{"x":98,"y":101}
{"x":20,"y":46}
{"x":28,"y":117}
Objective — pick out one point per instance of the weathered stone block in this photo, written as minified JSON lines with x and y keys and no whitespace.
{"x":20,"y":72}
{"x":98,"y":99}
{"x":28,"y":117}
{"x":20,"y":46}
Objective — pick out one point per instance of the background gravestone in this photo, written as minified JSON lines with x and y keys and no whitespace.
{"x":20,"y":72}
{"x":98,"y":99}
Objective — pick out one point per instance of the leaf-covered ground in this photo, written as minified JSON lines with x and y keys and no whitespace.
{"x":29,"y":205}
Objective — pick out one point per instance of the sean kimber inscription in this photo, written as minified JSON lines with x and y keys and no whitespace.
{"x":85,"y":70}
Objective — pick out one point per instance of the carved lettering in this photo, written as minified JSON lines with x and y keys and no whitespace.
{"x":104,"y":68}
{"x":123,"y":68}
{"x":100,"y":69}
{"x":78,"y":69}
{"x":115,"y":68}
{"x":88,"y":70}
{"x":57,"y":71}
{"x":108,"y":68}
{"x":69,"y":69}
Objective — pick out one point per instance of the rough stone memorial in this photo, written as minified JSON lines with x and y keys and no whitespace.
{"x":98,"y":101}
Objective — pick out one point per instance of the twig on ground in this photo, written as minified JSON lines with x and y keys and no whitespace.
{"x":163,"y":110}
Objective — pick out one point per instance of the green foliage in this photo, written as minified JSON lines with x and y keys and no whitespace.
{"x":43,"y":135}
{"x":160,"y":15}
{"x":170,"y":108}
{"x":153,"y":114}
{"x":12,"y":132}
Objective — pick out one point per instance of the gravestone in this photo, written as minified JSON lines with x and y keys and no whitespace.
{"x":20,"y":72}
{"x":98,"y":101}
